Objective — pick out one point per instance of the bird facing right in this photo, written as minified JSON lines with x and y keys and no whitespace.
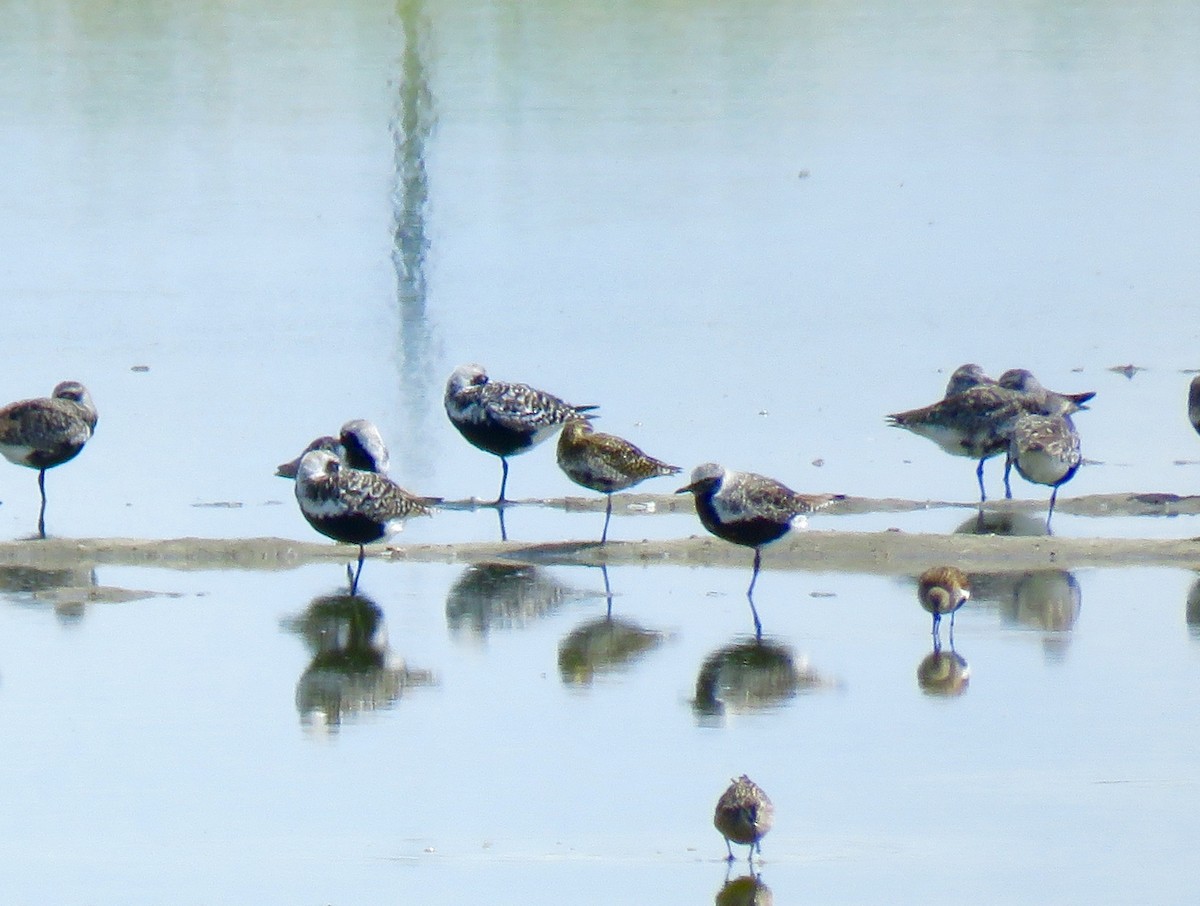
{"x":46,"y":432}
{"x":744,"y":815}
{"x":605,"y":463}
{"x":503,"y":418}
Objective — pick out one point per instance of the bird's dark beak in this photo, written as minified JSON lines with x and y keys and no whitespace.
{"x":686,"y":489}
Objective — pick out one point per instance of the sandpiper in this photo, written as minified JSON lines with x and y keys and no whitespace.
{"x":748,"y":509}
{"x":46,"y":432}
{"x":359,"y":446}
{"x":976,"y":423}
{"x":501,"y":418}
{"x":351,"y":505}
{"x":1045,"y":450}
{"x":605,"y":463}
{"x":943,"y":590}
{"x":1046,"y":402}
{"x":744,"y":814}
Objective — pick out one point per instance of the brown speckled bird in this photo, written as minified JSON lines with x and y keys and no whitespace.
{"x":1045,"y":450}
{"x":744,"y":815}
{"x":943,"y":590}
{"x":46,"y":432}
{"x":605,"y":463}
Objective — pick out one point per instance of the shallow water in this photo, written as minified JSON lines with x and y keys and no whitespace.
{"x":748,"y":232}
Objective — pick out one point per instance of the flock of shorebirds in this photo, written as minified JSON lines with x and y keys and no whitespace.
{"x":344,"y":492}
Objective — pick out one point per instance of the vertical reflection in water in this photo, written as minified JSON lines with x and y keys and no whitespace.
{"x":411,"y":129}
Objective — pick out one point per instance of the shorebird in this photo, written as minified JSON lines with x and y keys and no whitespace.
{"x":1046,"y":402}
{"x":967,"y":376}
{"x":605,"y":463}
{"x":744,"y":814}
{"x":1045,"y":450}
{"x":46,"y":432}
{"x":943,"y":590}
{"x":351,"y":505}
{"x":976,"y":423}
{"x":501,"y":418}
{"x":1194,"y":403}
{"x":359,"y":446}
{"x":748,"y":509}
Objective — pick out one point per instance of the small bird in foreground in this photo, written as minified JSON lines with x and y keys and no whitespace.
{"x":1045,"y":449}
{"x":744,"y":814}
{"x":359,"y":446}
{"x":605,"y":463}
{"x":501,"y":418}
{"x":46,"y":432}
{"x":748,"y":509}
{"x":943,"y":590}
{"x":351,"y":505}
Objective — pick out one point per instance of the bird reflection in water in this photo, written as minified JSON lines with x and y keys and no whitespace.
{"x":352,"y":670}
{"x":943,"y":672}
{"x":755,"y":675}
{"x":69,"y":589}
{"x":747,"y":890}
{"x":1007,"y":524}
{"x":603,"y":645}
{"x":1048,"y":600}
{"x":496,"y":595}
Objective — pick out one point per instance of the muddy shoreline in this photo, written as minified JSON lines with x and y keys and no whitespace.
{"x":823,"y":549}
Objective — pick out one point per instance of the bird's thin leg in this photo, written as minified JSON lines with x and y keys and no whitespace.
{"x":979,"y":475}
{"x":362,"y":551}
{"x":731,"y":856}
{"x":42,"y":511}
{"x":750,"y":593}
{"x":937,"y":630}
{"x":607,"y":516}
{"x":1053,"y":497}
{"x":503,"y":529}
{"x":1008,"y":464}
{"x":607,"y":590}
{"x":501,"y":500}
{"x":952,"y":613}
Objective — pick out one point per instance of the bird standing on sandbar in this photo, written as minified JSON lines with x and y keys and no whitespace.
{"x":943,"y":590}
{"x":744,"y":814}
{"x":605,"y":463}
{"x":1045,"y":449}
{"x":359,"y":446}
{"x":351,"y":505}
{"x":501,"y":418}
{"x":46,"y":432}
{"x":748,"y":509}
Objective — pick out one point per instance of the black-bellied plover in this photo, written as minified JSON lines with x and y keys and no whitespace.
{"x":743,"y":815}
{"x":1045,"y":450}
{"x":943,"y":590}
{"x":359,"y":445}
{"x":605,"y":463}
{"x":46,"y":432}
{"x":1046,"y":402}
{"x":748,"y":509}
{"x":501,"y":418}
{"x":351,"y":505}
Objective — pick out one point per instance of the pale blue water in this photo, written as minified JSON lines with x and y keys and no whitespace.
{"x":748,"y":231}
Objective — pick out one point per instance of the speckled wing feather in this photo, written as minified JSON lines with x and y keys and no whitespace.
{"x":605,"y":462}
{"x":519,"y":407}
{"x":32,"y":422}
{"x":378,"y":497}
{"x":1054,"y":435}
{"x":745,"y":495}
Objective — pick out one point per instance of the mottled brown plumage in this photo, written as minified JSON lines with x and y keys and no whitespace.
{"x":1046,"y":450}
{"x":943,"y":590}
{"x":1046,"y":402}
{"x":46,"y":432}
{"x":605,"y":463}
{"x":744,"y":814}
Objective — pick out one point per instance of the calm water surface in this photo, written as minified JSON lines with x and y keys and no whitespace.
{"x":748,"y":231}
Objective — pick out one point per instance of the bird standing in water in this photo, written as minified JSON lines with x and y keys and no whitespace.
{"x":744,"y":814}
{"x":943,"y":590}
{"x":605,"y":463}
{"x":46,"y":432}
{"x":501,"y":418}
